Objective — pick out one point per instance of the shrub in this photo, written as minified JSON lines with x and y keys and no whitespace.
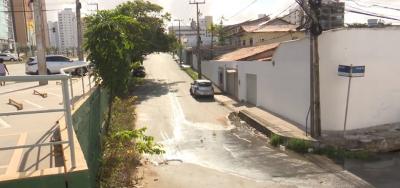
{"x":276,"y":140}
{"x":192,"y":73}
{"x":297,"y":145}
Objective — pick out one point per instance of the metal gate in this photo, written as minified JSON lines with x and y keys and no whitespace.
{"x":251,"y":88}
{"x":232,"y":82}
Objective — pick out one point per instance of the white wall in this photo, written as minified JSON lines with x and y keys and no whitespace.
{"x":284,"y":88}
{"x":211,"y":70}
{"x":375,"y":99}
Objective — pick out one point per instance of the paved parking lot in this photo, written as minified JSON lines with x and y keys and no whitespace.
{"x":33,"y":128}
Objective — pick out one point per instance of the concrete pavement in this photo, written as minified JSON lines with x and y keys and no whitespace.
{"x":32,"y":128}
{"x":198,"y":133}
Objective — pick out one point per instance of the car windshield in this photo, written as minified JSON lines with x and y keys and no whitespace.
{"x":204,"y":84}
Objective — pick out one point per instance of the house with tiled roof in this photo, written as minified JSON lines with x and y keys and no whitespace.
{"x":273,"y":31}
{"x":261,"y":32}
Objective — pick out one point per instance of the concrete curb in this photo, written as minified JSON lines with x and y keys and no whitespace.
{"x":269,"y":128}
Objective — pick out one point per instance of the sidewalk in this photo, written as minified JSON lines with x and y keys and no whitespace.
{"x":262,"y":120}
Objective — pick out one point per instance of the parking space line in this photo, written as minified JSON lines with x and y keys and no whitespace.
{"x":53,"y":94}
{"x":33,"y":104}
{"x":4,"y":124}
{"x":17,"y":155}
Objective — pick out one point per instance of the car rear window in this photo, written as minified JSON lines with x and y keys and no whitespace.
{"x":204,"y":84}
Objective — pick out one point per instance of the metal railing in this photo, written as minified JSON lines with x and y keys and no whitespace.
{"x":68,"y":103}
{"x":81,"y":67}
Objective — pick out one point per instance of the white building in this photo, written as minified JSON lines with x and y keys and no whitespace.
{"x":6,"y":26}
{"x":189,"y":33}
{"x":54,"y":37}
{"x":67,"y":29}
{"x":281,"y":85}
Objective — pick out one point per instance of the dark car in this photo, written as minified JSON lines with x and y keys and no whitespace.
{"x":139,"y":72}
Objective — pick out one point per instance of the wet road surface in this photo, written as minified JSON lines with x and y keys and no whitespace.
{"x":382,"y":171}
{"x":198,"y":132}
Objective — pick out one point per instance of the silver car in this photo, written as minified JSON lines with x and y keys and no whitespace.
{"x":8,"y":57}
{"x":202,"y":88}
{"x":54,"y":64}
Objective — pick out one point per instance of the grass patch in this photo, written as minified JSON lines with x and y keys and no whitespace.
{"x":300,"y":146}
{"x":123,"y":146}
{"x":276,"y":140}
{"x":192,"y":73}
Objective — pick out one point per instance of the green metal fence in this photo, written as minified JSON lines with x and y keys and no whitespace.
{"x":88,"y":123}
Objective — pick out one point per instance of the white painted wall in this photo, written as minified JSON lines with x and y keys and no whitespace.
{"x":375,"y":99}
{"x":211,"y":70}
{"x":284,"y":88}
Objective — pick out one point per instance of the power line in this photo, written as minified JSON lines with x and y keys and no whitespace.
{"x":243,"y":9}
{"x":286,"y":10}
{"x":371,"y":14}
{"x":374,"y":5}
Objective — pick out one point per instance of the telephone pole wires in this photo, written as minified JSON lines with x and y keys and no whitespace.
{"x":79,"y":30}
{"x":198,"y":36}
{"x":180,"y":40}
{"x":312,"y":10}
{"x":40,"y":39}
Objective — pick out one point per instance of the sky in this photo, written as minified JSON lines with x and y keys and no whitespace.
{"x":233,"y":11}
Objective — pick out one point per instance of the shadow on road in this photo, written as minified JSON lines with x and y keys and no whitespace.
{"x":204,"y":99}
{"x":152,"y":88}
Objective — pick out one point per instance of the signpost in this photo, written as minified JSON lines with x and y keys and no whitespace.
{"x":349,"y":71}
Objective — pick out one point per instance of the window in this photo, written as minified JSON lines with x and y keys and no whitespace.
{"x":251,"y":41}
{"x":244,"y":43}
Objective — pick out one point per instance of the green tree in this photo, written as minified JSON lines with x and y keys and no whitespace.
{"x":116,"y":39}
{"x":152,"y":20}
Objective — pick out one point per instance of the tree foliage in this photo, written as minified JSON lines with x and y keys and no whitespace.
{"x":112,"y":48}
{"x":116,"y":39}
{"x":152,"y":19}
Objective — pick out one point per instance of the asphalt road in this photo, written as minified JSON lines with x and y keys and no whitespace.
{"x":214,"y":152}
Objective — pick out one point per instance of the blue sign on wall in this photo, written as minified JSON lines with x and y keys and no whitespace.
{"x":351,"y":71}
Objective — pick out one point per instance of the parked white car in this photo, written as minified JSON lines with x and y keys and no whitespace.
{"x":8,"y":57}
{"x":202,"y":88}
{"x":54,"y":64}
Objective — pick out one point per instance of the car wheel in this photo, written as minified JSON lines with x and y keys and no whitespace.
{"x":190,"y":91}
{"x":12,"y":59}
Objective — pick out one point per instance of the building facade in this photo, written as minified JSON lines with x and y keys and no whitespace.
{"x":54,"y":37}
{"x":282,"y":84}
{"x":332,"y":14}
{"x":189,"y":33}
{"x":6,"y":26}
{"x":274,"y":31}
{"x":67,"y":29}
{"x":24,"y":24}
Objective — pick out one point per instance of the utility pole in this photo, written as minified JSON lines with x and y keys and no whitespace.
{"x":212,"y":40}
{"x":198,"y":36}
{"x":79,"y":28}
{"x":312,"y":10}
{"x":315,"y":31}
{"x":40,"y":39}
{"x":180,"y":40}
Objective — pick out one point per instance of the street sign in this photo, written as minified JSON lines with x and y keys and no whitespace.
{"x":351,"y":71}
